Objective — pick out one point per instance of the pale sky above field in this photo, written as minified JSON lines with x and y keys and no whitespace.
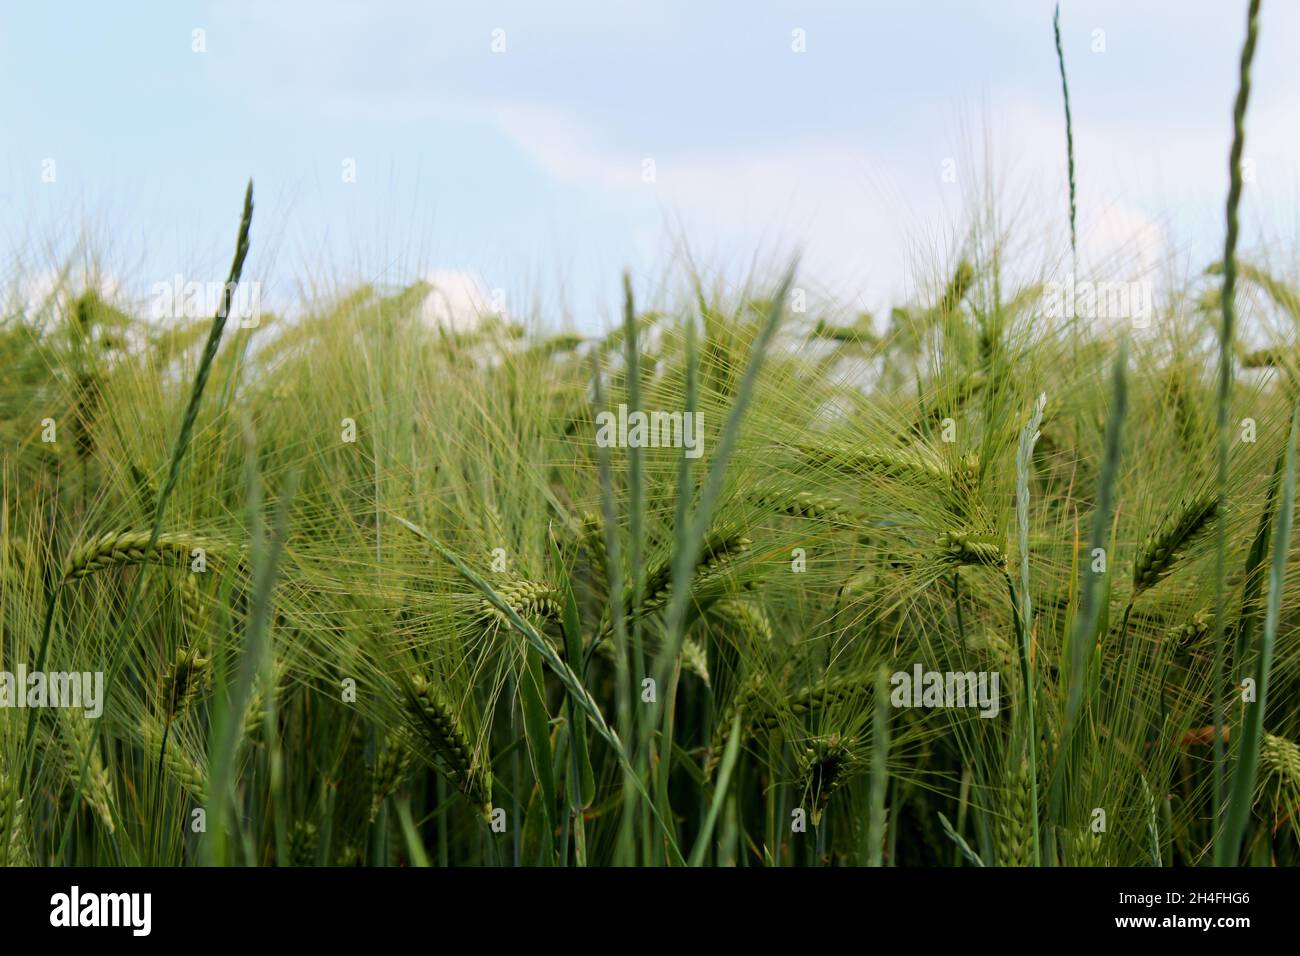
{"x":522,"y":170}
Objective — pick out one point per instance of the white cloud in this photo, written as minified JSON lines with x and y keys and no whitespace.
{"x":874,"y":219}
{"x":457,"y":301}
{"x":565,"y":149}
{"x":821,"y":198}
{"x":55,"y":290}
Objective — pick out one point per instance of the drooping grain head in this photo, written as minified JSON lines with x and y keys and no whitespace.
{"x":825,"y":765}
{"x":1187,"y":635}
{"x":178,"y":763}
{"x":789,"y":500}
{"x":965,"y":548}
{"x":13,"y":834}
{"x":79,"y":752}
{"x":1281,"y":758}
{"x":1161,"y":551}
{"x":722,"y":548}
{"x":437,"y":725}
{"x":127,"y":547}
{"x":528,"y":599}
{"x":304,"y":840}
{"x":1015,"y":823}
{"x":748,"y":620}
{"x":392,"y":765}
{"x":184,"y":676}
{"x":695,"y":660}
{"x":592,"y":542}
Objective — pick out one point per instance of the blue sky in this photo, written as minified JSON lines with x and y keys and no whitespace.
{"x":523,"y":170}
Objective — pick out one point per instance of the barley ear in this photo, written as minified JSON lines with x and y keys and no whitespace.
{"x":1015,"y":824}
{"x":86,"y":768}
{"x":187,"y":672}
{"x":448,"y":745}
{"x":13,"y":833}
{"x":825,"y":767}
{"x":178,"y":762}
{"x":528,"y":599}
{"x":965,"y":548}
{"x":127,"y":547}
{"x":392,"y":765}
{"x":304,"y":841}
{"x":1161,"y":551}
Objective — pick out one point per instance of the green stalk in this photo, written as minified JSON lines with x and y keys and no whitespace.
{"x":586,"y":789}
{"x":623,"y":680}
{"x":681,"y":545}
{"x":1226,"y":338}
{"x":1088,"y":620}
{"x":1082,"y":636}
{"x":1069,"y":125}
{"x":636,"y":520}
{"x":1247,"y":763}
{"x":254,"y":662}
{"x":537,"y":730}
{"x":1024,"y":461}
{"x":879,"y":770}
{"x":719,"y":794}
{"x":663,"y":757}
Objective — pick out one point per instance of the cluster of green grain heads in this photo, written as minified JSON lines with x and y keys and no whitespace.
{"x":369,"y":592}
{"x":434,"y":644}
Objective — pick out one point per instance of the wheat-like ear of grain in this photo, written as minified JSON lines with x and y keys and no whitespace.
{"x":1087,"y":848}
{"x":1188,"y":634}
{"x":764,"y":714}
{"x":185,"y":769}
{"x":13,"y":832}
{"x":1279,"y":778}
{"x":814,"y":697}
{"x":1186,"y":414}
{"x":255,"y":712}
{"x":1015,"y":823}
{"x":392,"y":764}
{"x":304,"y":840}
{"x":962,"y":548}
{"x":128,"y":547}
{"x":739,"y":705}
{"x":181,"y":681}
{"x":695,"y":660}
{"x":591,"y":537}
{"x":824,"y":769}
{"x":191,"y":598}
{"x":749,"y":620}
{"x":721,"y":549}
{"x":723,"y":546}
{"x":529,"y":599}
{"x":79,"y":751}
{"x":1269,"y":357}
{"x":1282,"y":757}
{"x":853,"y":461}
{"x":441,"y":730}
{"x":960,"y":283}
{"x":788,"y":500}
{"x":1161,"y":551}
